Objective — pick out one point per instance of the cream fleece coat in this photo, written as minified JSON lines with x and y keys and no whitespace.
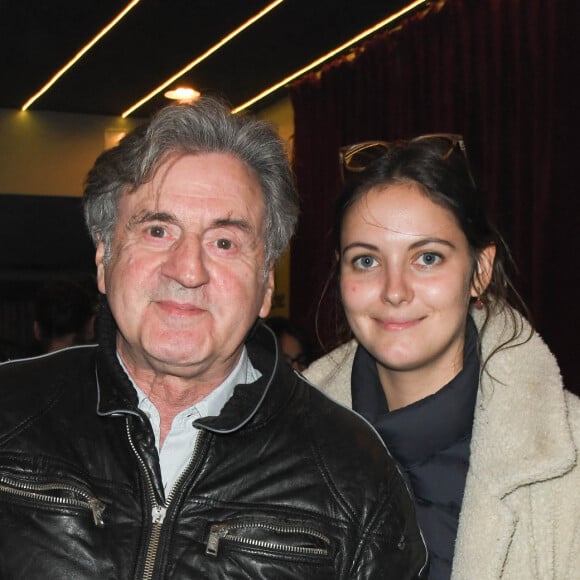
{"x":520,"y":518}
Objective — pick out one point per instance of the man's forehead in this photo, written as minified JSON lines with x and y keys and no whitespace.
{"x":197,"y":161}
{"x":239,"y":208}
{"x":150,"y":205}
{"x":193,"y":172}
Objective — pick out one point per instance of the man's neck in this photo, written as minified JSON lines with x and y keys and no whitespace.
{"x":171,"y":394}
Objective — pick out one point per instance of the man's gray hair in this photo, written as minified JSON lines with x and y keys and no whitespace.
{"x":207,"y":126}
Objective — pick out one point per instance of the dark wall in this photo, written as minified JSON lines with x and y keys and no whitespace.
{"x":41,"y":238}
{"x":42,"y":233}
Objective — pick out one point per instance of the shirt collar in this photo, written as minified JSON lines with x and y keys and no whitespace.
{"x":211,"y":405}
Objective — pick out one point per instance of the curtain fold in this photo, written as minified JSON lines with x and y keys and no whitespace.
{"x":501,"y":72}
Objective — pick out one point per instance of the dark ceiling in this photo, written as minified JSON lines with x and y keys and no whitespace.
{"x":157,"y":38}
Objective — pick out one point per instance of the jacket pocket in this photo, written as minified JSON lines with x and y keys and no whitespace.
{"x":53,"y":494}
{"x":279,"y":539}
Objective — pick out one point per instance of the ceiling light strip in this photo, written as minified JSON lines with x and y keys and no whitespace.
{"x":201,"y":58}
{"x":81,"y":52}
{"x":330,"y":55}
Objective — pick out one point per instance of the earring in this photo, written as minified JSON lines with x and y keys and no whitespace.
{"x":479,"y":303}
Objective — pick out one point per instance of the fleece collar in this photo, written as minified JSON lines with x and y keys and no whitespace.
{"x":520,"y":416}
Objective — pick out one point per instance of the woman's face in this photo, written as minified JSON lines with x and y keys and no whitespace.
{"x":406,"y":282}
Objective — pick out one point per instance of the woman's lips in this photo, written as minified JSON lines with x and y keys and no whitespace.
{"x":398,"y":324}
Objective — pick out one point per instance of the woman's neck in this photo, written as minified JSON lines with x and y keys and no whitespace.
{"x":406,"y":387}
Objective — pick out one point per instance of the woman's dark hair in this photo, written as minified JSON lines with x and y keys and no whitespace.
{"x":441,"y":170}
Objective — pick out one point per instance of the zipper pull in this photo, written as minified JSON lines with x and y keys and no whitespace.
{"x":216,"y":533}
{"x":97,"y":508}
{"x":158,"y":514}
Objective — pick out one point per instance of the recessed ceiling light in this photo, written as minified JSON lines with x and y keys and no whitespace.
{"x":202,"y":57}
{"x":183,"y":94}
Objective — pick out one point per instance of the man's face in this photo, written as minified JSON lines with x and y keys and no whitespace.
{"x":185,"y":280}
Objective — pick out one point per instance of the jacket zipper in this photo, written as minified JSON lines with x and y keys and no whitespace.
{"x":220,"y":532}
{"x":36,"y":492}
{"x":158,"y":511}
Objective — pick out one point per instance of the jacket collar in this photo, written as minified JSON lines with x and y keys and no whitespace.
{"x":116,"y":394}
{"x":258,"y":401}
{"x":520,"y":413}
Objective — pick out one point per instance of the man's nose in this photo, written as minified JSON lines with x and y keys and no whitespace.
{"x":185,"y":262}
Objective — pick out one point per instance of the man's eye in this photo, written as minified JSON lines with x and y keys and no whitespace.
{"x":364,"y":262}
{"x":157,"y":232}
{"x":224,"y":244}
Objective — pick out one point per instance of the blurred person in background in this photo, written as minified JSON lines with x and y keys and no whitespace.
{"x":64,"y":315}
{"x":293,"y":342}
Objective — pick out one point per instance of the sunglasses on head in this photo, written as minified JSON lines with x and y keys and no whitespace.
{"x":356,"y":158}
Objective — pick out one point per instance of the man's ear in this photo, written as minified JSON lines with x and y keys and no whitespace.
{"x":483,"y":271}
{"x":268,"y":294}
{"x":100,"y":263}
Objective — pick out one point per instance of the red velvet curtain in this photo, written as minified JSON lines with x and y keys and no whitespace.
{"x":504,"y":74}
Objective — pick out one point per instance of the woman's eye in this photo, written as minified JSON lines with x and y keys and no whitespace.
{"x":429,"y":259}
{"x":364,"y":262}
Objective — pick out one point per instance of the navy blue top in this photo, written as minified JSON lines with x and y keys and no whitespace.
{"x":430,"y":440}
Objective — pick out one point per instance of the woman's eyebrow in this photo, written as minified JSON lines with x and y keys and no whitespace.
{"x":418,"y":244}
{"x":361,"y":245}
{"x":431,"y":240}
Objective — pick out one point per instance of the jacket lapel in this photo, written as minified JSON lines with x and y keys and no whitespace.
{"x":520,"y":436}
{"x":486,"y":528}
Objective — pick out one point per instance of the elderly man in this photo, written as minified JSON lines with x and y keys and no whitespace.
{"x":182,"y":447}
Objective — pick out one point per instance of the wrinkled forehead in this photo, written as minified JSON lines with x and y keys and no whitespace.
{"x":199,"y":192}
{"x":211,"y":171}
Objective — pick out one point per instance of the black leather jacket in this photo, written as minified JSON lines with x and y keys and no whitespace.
{"x":283,"y":484}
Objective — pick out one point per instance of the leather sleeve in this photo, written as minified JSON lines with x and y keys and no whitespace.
{"x":394,"y":547}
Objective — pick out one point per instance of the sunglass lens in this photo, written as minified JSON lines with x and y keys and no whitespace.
{"x":360,"y":159}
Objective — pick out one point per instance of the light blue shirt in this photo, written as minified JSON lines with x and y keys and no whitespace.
{"x":180,"y":441}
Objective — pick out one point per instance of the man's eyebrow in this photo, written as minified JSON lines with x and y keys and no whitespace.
{"x":152,"y":216}
{"x":238,"y":223}
{"x":166,"y":217}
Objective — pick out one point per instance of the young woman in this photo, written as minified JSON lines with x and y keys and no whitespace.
{"x":464,"y":393}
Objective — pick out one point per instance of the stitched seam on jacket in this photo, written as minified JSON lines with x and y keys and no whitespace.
{"x":30,"y":420}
